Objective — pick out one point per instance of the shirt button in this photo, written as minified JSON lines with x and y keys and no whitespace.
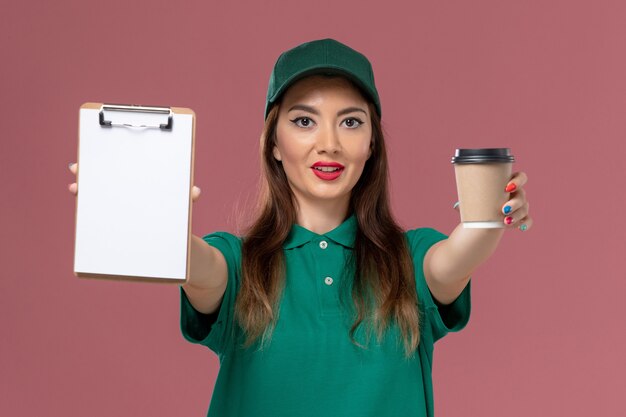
{"x":328,"y":281}
{"x":323,"y":244}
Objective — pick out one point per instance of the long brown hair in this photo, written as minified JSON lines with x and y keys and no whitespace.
{"x":381,"y":258}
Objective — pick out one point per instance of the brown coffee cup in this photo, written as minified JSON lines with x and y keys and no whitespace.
{"x":481,"y":177}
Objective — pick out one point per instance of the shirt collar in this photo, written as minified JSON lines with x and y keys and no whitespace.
{"x":343,"y":234}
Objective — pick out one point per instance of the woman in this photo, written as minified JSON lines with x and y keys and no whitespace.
{"x":290,"y":306}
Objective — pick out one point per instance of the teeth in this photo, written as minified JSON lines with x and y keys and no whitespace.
{"x":327,"y":169}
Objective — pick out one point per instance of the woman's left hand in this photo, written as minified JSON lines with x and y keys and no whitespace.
{"x":516,"y":209}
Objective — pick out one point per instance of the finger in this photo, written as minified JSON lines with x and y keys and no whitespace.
{"x":518,"y":200}
{"x":513,"y":220}
{"x":525,"y":224}
{"x":73,"y":187}
{"x":73,"y":167}
{"x":456,"y":206}
{"x":517,"y":181}
{"x":195,"y":193}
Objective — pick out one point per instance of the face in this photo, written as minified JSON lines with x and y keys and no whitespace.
{"x":328,"y":121}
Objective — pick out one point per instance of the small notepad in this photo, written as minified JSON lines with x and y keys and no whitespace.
{"x":133,"y":207}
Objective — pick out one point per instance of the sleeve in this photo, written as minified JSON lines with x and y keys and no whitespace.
{"x":216,"y":330}
{"x":441,"y":319}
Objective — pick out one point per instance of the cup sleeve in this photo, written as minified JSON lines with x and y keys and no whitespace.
{"x":440,"y":319}
{"x":215,"y":330}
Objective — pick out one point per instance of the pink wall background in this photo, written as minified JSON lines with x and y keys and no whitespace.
{"x":546,"y":78}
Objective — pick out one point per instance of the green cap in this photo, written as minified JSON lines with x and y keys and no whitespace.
{"x":323,"y":56}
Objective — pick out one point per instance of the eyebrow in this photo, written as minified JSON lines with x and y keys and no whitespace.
{"x":314,"y":111}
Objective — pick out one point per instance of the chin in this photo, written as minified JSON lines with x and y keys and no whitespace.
{"x":329,"y":196}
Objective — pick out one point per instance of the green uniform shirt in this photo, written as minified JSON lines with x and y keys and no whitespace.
{"x":311,"y":368}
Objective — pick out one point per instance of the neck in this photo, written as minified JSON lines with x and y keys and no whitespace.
{"x":322,"y":217}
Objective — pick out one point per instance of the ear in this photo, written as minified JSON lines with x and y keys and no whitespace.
{"x":276,"y":153}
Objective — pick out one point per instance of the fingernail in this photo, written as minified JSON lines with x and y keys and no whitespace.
{"x":70,"y":164}
{"x":523,"y":228}
{"x":508,"y":220}
{"x":507,"y":209}
{"x":510,"y":187}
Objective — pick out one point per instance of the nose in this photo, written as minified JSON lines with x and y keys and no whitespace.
{"x":328,"y":141}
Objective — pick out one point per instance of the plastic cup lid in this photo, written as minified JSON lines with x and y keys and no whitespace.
{"x":482,"y":155}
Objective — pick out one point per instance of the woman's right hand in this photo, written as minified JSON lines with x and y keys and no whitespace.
{"x":73,"y":187}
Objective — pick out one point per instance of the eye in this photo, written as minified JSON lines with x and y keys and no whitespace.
{"x":351,"y":122}
{"x":303,"y":119}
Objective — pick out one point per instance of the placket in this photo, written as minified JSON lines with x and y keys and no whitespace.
{"x":329,"y":261}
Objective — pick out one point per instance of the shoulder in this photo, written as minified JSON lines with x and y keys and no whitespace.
{"x":223,"y":237}
{"x":421,"y":239}
{"x":228,"y":244}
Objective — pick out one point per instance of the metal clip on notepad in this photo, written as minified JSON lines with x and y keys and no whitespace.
{"x":137,"y":109}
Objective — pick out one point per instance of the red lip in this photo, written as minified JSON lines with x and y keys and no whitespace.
{"x":327,"y":164}
{"x":328,"y":176}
